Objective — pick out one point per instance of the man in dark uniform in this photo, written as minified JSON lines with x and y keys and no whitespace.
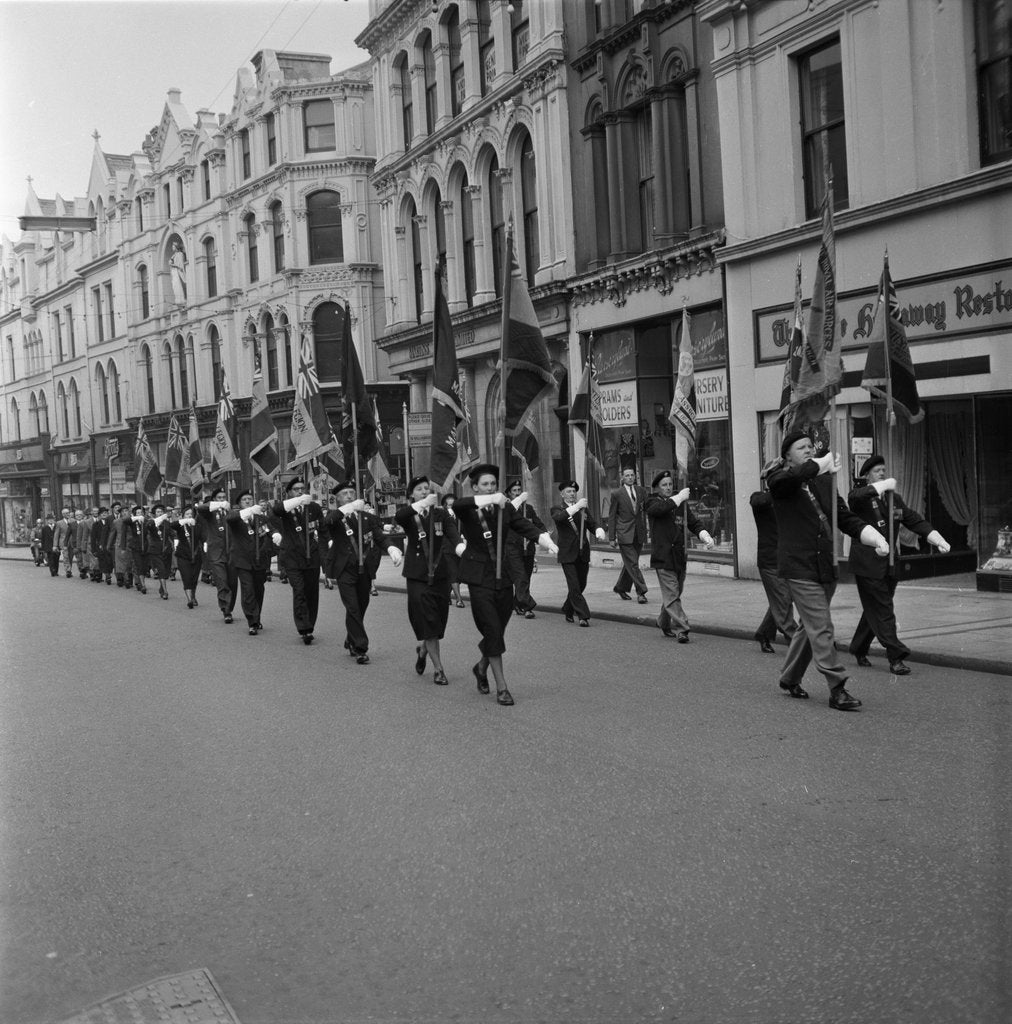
{"x":99,"y":536}
{"x":802,"y":494}
{"x":669,"y":522}
{"x":214,"y":515}
{"x":484,"y":520}
{"x":249,"y":554}
{"x":779,"y":612}
{"x":63,"y":542}
{"x":356,"y":539}
{"x":117,"y":545}
{"x":300,"y":521}
{"x":574,"y":525}
{"x":627,"y":531}
{"x":876,"y":577}
{"x":47,"y":544}
{"x":142,"y":539}
{"x":520,"y":551}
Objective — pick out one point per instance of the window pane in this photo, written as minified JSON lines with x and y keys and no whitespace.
{"x":995,"y":87}
{"x":320,"y":134}
{"x":326,"y":243}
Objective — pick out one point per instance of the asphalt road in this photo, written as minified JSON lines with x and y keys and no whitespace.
{"x":653,"y":833}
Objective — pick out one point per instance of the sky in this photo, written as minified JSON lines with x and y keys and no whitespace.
{"x":68,"y":69}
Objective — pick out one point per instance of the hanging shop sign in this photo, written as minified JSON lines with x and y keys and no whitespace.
{"x":619,"y":406}
{"x":711,"y":394}
{"x":419,"y":429}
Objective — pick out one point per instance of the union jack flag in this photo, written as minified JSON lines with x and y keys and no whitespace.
{"x":177,"y":456}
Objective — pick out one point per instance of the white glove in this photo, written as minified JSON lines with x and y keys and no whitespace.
{"x":706,"y":539}
{"x":682,"y":495}
{"x":187,"y":521}
{"x":205,"y":547}
{"x":519,"y":500}
{"x":218,"y":506}
{"x":829,"y":463}
{"x":175,"y":544}
{"x":161,"y":519}
{"x":461,"y":548}
{"x":601,"y":535}
{"x":358,"y":505}
{"x":545,"y":540}
{"x":306,"y":499}
{"x":881,"y":486}
{"x":276,"y":537}
{"x":938,"y":541}
{"x":871,"y":538}
{"x":291,"y":504}
{"x":246,"y":514}
{"x":481,"y":500}
{"x":427,"y":502}
{"x":395,"y":554}
{"x":137,"y":519}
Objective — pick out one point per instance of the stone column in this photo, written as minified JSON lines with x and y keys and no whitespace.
{"x":616,"y":213}
{"x":484,"y":286}
{"x":425,"y":247}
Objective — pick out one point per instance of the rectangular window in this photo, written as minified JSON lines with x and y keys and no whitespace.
{"x":180,"y":193}
{"x":247,"y":165}
{"x":320,"y":134}
{"x":278,"y":226}
{"x":458,"y":86}
{"x":59,"y":337}
{"x":251,"y":248}
{"x":521,"y":34}
{"x":486,"y":47}
{"x":467,"y":238}
{"x":167,"y":193}
{"x":823,"y":129}
{"x":70,"y":330}
{"x":110,"y":314}
{"x":205,"y":176}
{"x":429,"y":68}
{"x":210,"y":260}
{"x":145,"y":297}
{"x":407,"y":107}
{"x":96,"y":304}
{"x":139,"y":204}
{"x":272,"y":141}
{"x":994,"y":79}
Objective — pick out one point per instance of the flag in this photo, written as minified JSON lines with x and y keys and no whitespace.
{"x":792,"y":365}
{"x":332,"y":460}
{"x":311,"y":431}
{"x":467,"y":442}
{"x":821,"y":369}
{"x":177,"y":456}
{"x":378,"y":463}
{"x":196,"y":453}
{"x":223,"y":457}
{"x":526,"y":370}
{"x":148,"y":475}
{"x":447,"y":406}
{"x":683,"y":406}
{"x":585,"y":412}
{"x":889,"y":368}
{"x":354,"y":396}
{"x":525,"y":446}
{"x":263,"y":441}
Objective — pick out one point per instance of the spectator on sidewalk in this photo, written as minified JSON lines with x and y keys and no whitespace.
{"x":627,"y":531}
{"x":779,"y":607}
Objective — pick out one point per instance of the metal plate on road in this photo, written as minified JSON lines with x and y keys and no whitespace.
{"x":190,"y":998}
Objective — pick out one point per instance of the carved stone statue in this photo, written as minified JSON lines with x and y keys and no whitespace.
{"x":177,"y":261}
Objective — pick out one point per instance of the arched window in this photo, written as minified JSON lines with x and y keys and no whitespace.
{"x":142,"y":281}
{"x":103,"y":392}
{"x":205,"y":177}
{"x":249,"y":226}
{"x":43,"y":414}
{"x":15,"y":420}
{"x":497,"y":223}
{"x":270,"y":127}
{"x":247,"y":163}
{"x":323,"y":215}
{"x":61,"y":398}
{"x":415,"y":255}
{"x":429,"y":70}
{"x":439,"y":219}
{"x":184,"y":391}
{"x":286,"y":334}
{"x":167,"y":359}
{"x":75,"y":407}
{"x":645,"y":162}
{"x":486,"y":47}
{"x":115,"y":401}
{"x":407,"y":106}
{"x":594,"y":133}
{"x":529,"y":199}
{"x":328,"y":321}
{"x":458,"y":86}
{"x":272,"y":353}
{"x":215,"y":361}
{"x":278,"y":231}
{"x":149,"y":378}
{"x":467,"y":239}
{"x":33,"y":415}
{"x":211,"y":267}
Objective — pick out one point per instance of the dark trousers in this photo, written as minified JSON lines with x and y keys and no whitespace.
{"x":491,"y":609}
{"x":353,"y":585}
{"x":251,"y":587}
{"x":53,"y":561}
{"x":520,"y":565}
{"x":139,"y":567}
{"x":226,"y":583}
{"x":779,"y":614}
{"x":631,"y":574}
{"x":576,"y":583}
{"x":878,"y":619}
{"x":305,"y":584}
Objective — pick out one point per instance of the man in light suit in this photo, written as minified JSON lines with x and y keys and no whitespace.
{"x":627,"y":531}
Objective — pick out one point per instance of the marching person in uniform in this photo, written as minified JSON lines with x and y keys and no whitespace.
{"x":97,"y":542}
{"x":160,"y":555}
{"x":214,"y":515}
{"x":189,"y":552}
{"x":351,"y":563}
{"x":627,"y":531}
{"x":876,"y":578}
{"x":249,"y":554}
{"x":47,"y":544}
{"x":141,"y":538}
{"x":452,"y":562}
{"x":82,"y":541}
{"x":520,"y":551}
{"x":300,"y":522}
{"x":431,"y":531}
{"x":802,"y":494}
{"x":35,"y":542}
{"x":669,"y":559}
{"x":492,"y":596}
{"x":574,"y":525}
{"x":118,"y":545}
{"x":779,"y":613}
{"x":63,"y":541}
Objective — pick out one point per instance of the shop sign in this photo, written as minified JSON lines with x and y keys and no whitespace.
{"x":709,"y":339}
{"x":4,"y":489}
{"x":419,"y":429}
{"x":971,"y":301}
{"x":615,"y":356}
{"x":619,"y":407}
{"x":711,"y":394}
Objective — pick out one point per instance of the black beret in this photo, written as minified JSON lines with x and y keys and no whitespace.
{"x":664,"y":474}
{"x":563,"y":484}
{"x":482,"y":469}
{"x":416,"y":480}
{"x":134,"y":509}
{"x":344,"y":485}
{"x":449,"y":496}
{"x":212,"y":494}
{"x":155,"y":508}
{"x":871,"y":462}
{"x":239,"y":493}
{"x":792,"y":437}
{"x":291,"y":483}
{"x":515,"y":483}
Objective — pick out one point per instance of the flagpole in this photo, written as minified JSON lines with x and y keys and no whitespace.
{"x":407,"y":447}
{"x":586,"y":441}
{"x":508,"y":271}
{"x":354,"y":435}
{"x":305,"y":514}
{"x":890,"y":412}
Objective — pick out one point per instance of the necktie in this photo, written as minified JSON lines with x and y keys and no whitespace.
{"x":632,"y":498}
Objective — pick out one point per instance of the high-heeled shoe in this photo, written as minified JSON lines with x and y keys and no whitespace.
{"x":482,"y":677}
{"x":504,"y":697}
{"x":460,"y":603}
{"x":439,"y":678}
{"x":422,"y":654}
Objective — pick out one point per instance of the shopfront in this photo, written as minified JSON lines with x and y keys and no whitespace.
{"x":74,"y":480}
{"x":24,"y":490}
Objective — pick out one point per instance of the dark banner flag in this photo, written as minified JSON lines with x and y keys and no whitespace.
{"x":149,"y":476}
{"x":792,"y":365}
{"x":197,"y":474}
{"x":177,"y":456}
{"x":354,"y":395}
{"x":447,"y":407}
{"x":263,"y":439}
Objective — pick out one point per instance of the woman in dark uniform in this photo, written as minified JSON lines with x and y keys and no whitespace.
{"x":481,"y":519}
{"x":249,"y":554}
{"x":451,"y":559}
{"x":431,"y":532}
{"x":520,"y":551}
{"x":189,"y":553}
{"x":160,"y":555}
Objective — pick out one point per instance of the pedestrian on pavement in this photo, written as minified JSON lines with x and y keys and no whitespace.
{"x":670,"y":519}
{"x":35,"y":542}
{"x":299,"y":521}
{"x":430,"y":531}
{"x":117,"y":545}
{"x":63,"y":541}
{"x":627,"y":531}
{"x":802,"y":492}
{"x":355,"y":538}
{"x":876,"y":577}
{"x":160,"y":553}
{"x":520,"y":551}
{"x":47,"y":542}
{"x":214,"y":515}
{"x":574,"y":525}
{"x":189,"y":552}
{"x":452,"y":562}
{"x":483,"y":520}
{"x":779,"y":608}
{"x":250,"y":551}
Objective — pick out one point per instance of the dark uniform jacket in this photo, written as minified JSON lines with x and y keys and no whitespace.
{"x":874,"y":510}
{"x":250,"y":544}
{"x":294,"y":526}
{"x":668,"y":529}
{"x":100,"y":534}
{"x":477,"y":564}
{"x":572,"y":546}
{"x":344,"y":553}
{"x":191,"y":547}
{"x":766,"y":528}
{"x":519,"y":540}
{"x":215,"y":532}
{"x":805,"y":547}
{"x":441,"y":536}
{"x":48,"y":537}
{"x":143,"y":537}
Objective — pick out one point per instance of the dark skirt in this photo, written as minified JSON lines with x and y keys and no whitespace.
{"x":189,"y":571}
{"x":491,"y":609}
{"x":428,"y":608}
{"x":159,"y":564}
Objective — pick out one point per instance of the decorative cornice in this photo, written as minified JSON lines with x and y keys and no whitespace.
{"x":627,"y":34}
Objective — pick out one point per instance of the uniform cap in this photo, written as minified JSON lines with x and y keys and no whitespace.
{"x":482,"y":469}
{"x":563,"y":484}
{"x":791,"y":438}
{"x":871,"y":462}
{"x":664,"y":474}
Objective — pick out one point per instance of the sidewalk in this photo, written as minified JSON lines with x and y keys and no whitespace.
{"x":944,"y":621}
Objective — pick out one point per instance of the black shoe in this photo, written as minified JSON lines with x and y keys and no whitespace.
{"x":460,"y":603}
{"x":862,"y":661}
{"x":439,"y":678}
{"x":164,"y":594}
{"x":842,"y":701}
{"x":569,"y":618}
{"x":671,"y":633}
{"x":505,"y":698}
{"x":228,"y":618}
{"x":307,"y":638}
{"x":189,"y":604}
{"x":528,"y":615}
{"x":899,"y":668}
{"x":766,"y":647}
{"x":362,"y":659}
{"x":420,"y":659}
{"x":683,"y":638}
{"x":622,"y":594}
{"x":482,"y":677}
{"x":795,"y":690}
{"x":252,"y":631}
{"x":585,"y":623}
{"x":642,"y":599}
{"x":195,"y":602}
